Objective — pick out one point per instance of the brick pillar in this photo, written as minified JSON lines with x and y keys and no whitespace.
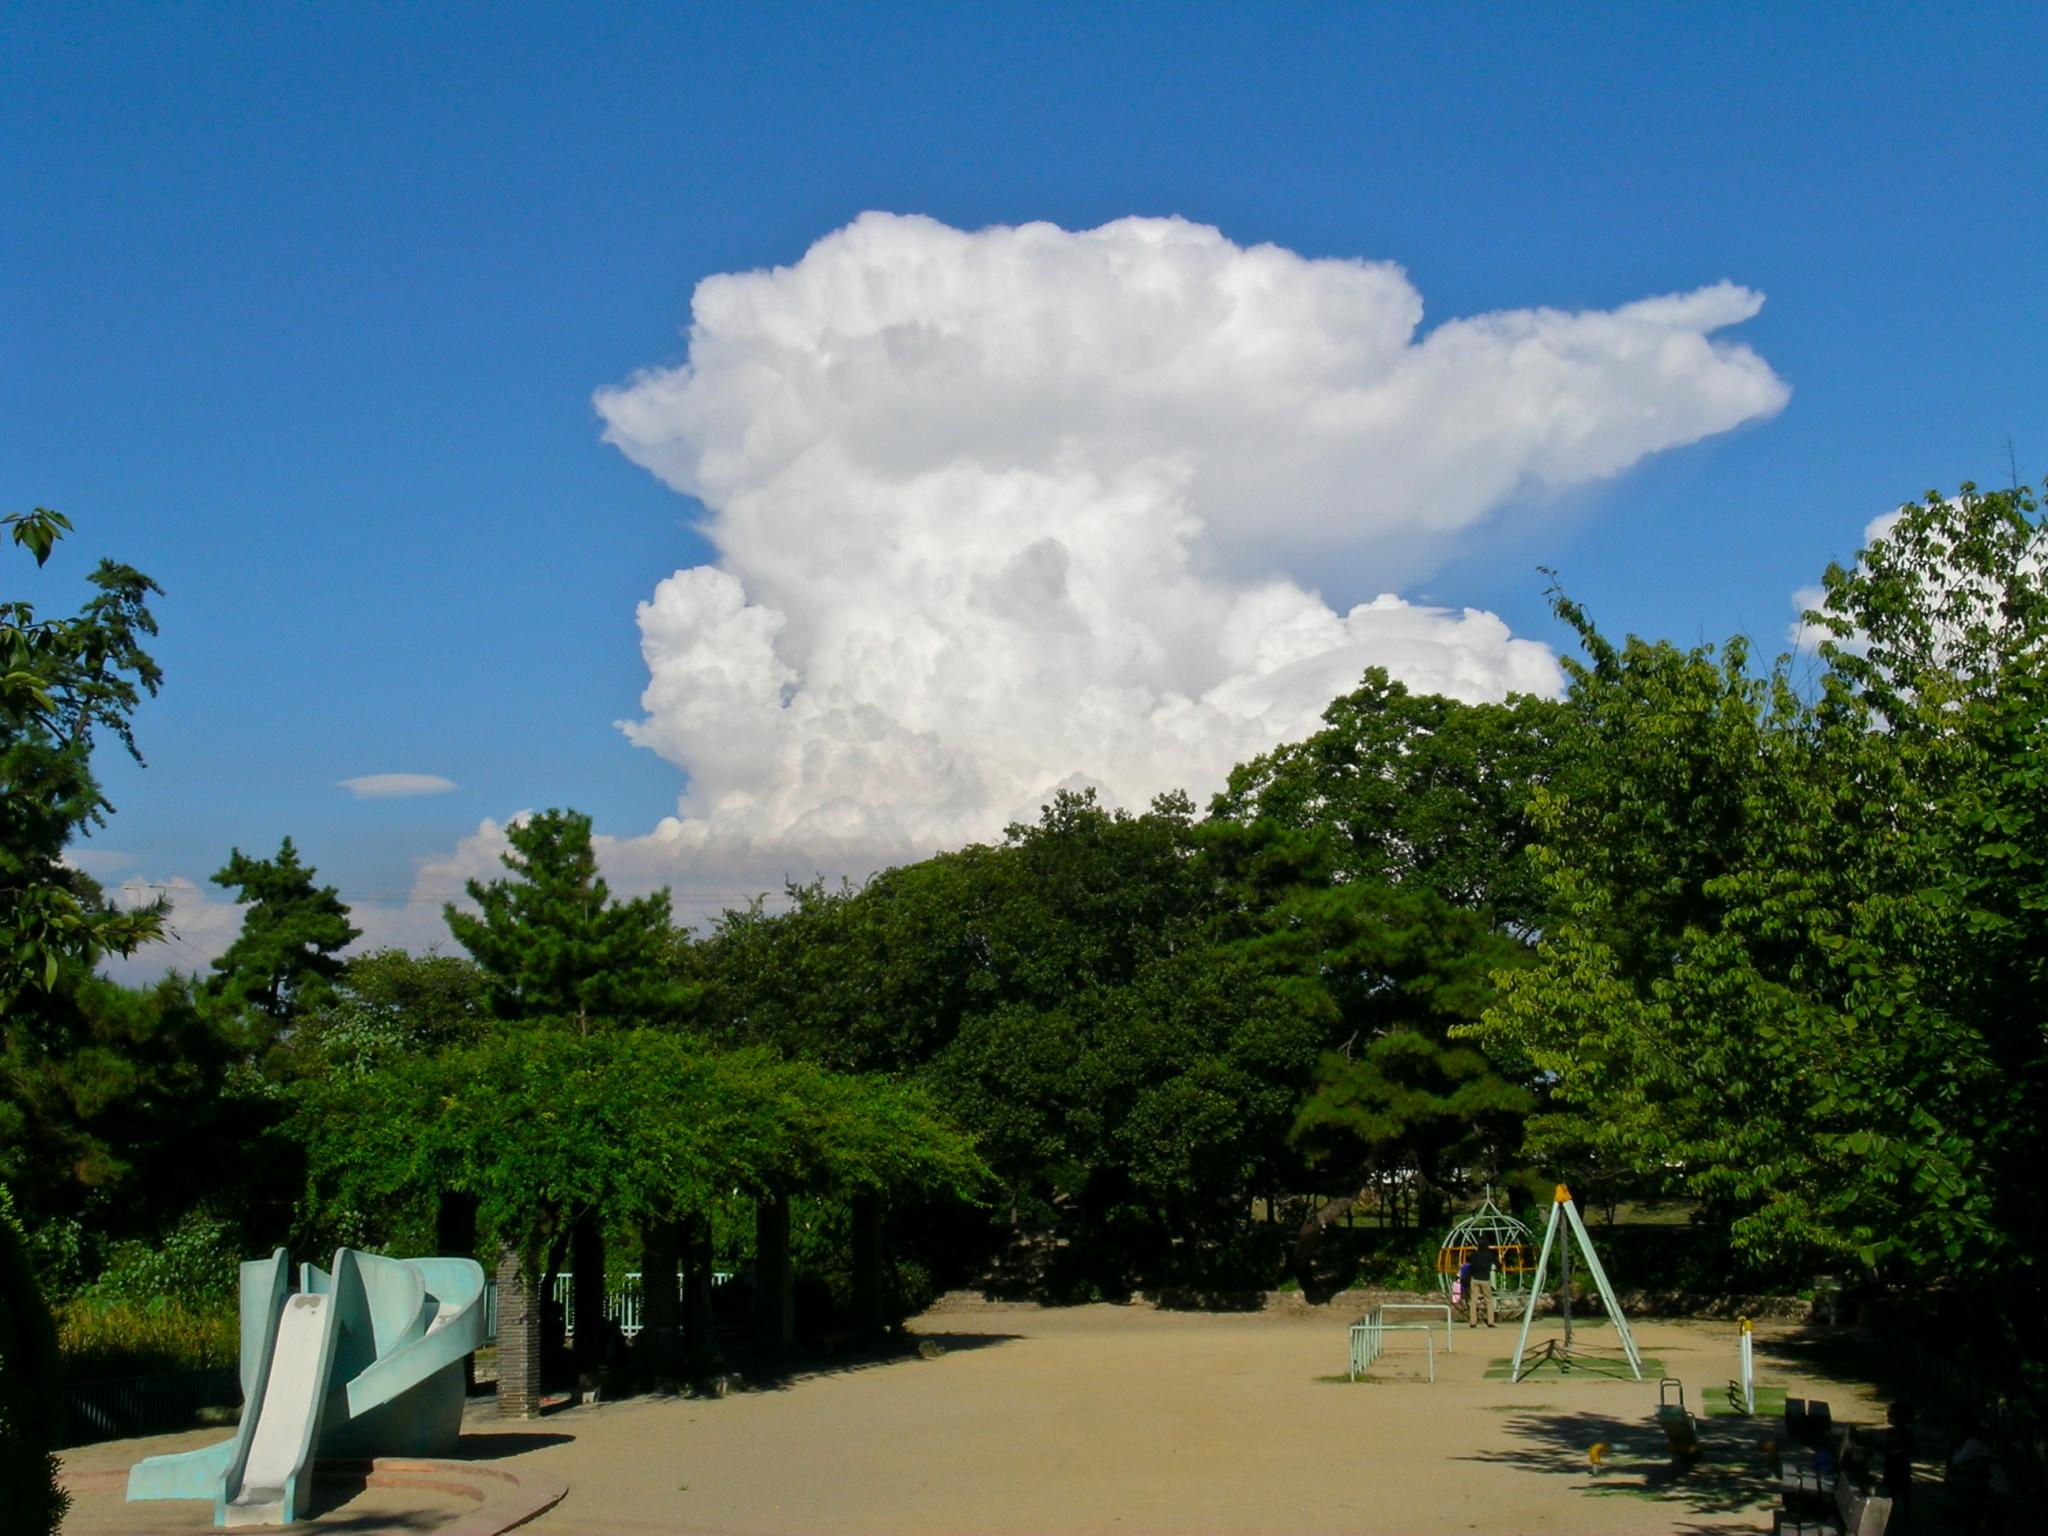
{"x":867,"y":1264}
{"x":519,"y":1389}
{"x":774,"y":1300}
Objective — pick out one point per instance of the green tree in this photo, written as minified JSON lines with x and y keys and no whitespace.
{"x":553,"y":944}
{"x":28,"y":1385}
{"x":62,"y":681}
{"x":386,"y":1008}
{"x":287,"y":955}
{"x":1797,"y":950}
{"x":116,"y":1111}
{"x":1415,"y":790}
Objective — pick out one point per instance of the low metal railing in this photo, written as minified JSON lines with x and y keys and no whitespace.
{"x":121,"y":1408}
{"x":1369,"y":1342}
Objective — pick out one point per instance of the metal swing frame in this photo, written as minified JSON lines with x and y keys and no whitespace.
{"x":1562,"y":1203}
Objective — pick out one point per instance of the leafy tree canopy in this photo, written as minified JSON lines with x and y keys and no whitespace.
{"x":543,"y":1127}
{"x":1799,"y":936}
{"x":61,"y":681}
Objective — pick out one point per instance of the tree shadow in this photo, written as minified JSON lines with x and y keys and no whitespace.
{"x":335,"y":1488}
{"x":1735,"y":1472}
{"x":755,"y":1375}
{"x":513,"y":1442}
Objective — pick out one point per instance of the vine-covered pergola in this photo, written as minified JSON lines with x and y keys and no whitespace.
{"x":541,"y":1128}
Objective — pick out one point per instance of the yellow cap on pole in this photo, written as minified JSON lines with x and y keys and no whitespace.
{"x":1563,"y":1194}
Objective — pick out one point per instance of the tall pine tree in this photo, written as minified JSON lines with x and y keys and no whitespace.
{"x":288,"y":953}
{"x":556,"y":947}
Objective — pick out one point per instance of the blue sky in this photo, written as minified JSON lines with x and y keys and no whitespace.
{"x":304,"y":309}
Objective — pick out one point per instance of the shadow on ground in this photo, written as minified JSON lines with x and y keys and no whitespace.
{"x":1734,"y":1474}
{"x":747,"y":1375}
{"x":332,"y":1489}
{"x":513,"y":1442}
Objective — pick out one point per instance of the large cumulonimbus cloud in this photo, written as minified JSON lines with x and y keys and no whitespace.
{"x":1002,"y":510}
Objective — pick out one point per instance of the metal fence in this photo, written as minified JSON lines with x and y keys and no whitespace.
{"x":142,"y":1405}
{"x":621,"y":1306}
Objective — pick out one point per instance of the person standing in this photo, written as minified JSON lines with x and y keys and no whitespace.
{"x":1481,"y":1288}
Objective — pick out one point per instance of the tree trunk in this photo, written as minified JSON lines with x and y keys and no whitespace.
{"x":661,"y":1312}
{"x":1309,"y":1240}
{"x":867,"y":1264}
{"x":700,"y":1324}
{"x":774,"y":1300}
{"x":586,"y":1290}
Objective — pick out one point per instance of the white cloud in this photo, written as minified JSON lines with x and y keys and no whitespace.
{"x":385,"y":786}
{"x":198,"y":927}
{"x":1002,"y":510}
{"x":102,"y":864}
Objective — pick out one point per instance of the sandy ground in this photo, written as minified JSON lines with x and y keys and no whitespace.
{"x":97,"y":1476}
{"x":1121,"y":1419}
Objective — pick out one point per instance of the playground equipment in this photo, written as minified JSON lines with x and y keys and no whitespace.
{"x":1511,"y":1241}
{"x":1564,"y":1212}
{"x":1369,"y":1337}
{"x":1681,"y":1430}
{"x":361,"y":1360}
{"x":1742,"y":1390}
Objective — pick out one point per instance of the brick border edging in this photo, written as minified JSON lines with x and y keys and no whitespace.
{"x":505,"y":1500}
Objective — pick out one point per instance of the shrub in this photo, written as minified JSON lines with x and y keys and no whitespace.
{"x":195,"y":1264}
{"x":28,"y":1380}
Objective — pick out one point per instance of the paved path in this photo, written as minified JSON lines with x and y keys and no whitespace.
{"x":1122,"y":1419}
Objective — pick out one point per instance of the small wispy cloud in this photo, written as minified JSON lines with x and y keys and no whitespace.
{"x":389,"y":786}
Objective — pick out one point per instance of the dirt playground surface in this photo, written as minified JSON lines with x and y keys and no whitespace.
{"x":1107,"y":1419}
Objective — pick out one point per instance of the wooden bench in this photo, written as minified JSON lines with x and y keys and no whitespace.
{"x":1816,"y":1504}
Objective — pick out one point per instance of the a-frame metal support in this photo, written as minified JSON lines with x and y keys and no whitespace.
{"x":1562,"y":1203}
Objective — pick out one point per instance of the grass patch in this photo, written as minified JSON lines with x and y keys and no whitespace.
{"x":1770,"y":1404}
{"x":99,"y":1340}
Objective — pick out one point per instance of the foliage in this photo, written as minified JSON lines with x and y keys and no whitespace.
{"x":554,"y":945}
{"x":116,"y":1103}
{"x":385,"y":1008}
{"x":542,"y":1127}
{"x":193,"y":1264}
{"x":61,"y":680}
{"x":1799,"y":945}
{"x":28,"y":1383}
{"x":286,"y":957}
{"x":1416,"y":790}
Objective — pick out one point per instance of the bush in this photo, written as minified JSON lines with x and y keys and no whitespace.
{"x":28,"y":1381}
{"x":99,"y":1339}
{"x":196,"y":1264}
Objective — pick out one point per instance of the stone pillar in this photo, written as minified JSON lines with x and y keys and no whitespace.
{"x":519,"y":1389}
{"x":774,"y":1298}
{"x":867,"y":1264}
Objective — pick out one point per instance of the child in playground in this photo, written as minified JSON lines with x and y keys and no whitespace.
{"x":1479,"y":1285}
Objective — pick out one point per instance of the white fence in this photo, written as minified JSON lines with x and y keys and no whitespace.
{"x":621,"y":1306}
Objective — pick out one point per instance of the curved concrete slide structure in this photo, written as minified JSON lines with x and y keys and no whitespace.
{"x":361,"y":1360}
